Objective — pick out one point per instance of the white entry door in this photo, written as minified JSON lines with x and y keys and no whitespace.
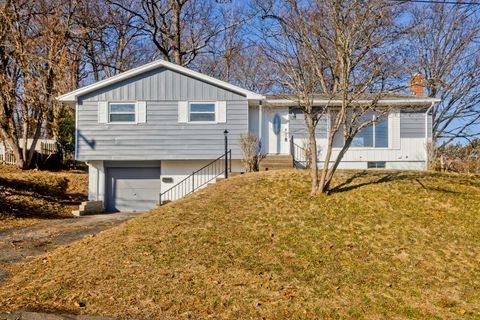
{"x":277,"y":124}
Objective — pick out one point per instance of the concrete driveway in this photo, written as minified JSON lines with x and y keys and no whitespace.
{"x":23,"y":244}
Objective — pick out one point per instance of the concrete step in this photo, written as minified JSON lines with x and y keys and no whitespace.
{"x":78,"y":213}
{"x":278,"y":156}
{"x":274,"y":162}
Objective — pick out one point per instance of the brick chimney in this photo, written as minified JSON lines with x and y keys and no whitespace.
{"x":416,"y":85}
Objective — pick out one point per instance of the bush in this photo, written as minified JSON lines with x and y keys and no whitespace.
{"x":250,"y":151}
{"x":459,"y":158}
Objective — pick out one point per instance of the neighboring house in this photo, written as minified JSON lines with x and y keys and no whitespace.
{"x":43,"y":146}
{"x":144,"y":131}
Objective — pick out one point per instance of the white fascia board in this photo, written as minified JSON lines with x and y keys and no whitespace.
{"x":73,"y":95}
{"x":283,"y":102}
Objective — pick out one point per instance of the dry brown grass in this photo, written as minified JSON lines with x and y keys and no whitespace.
{"x":27,"y":197}
{"x":383,"y":245}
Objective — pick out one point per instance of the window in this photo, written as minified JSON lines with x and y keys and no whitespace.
{"x":121,"y":112}
{"x":202,"y":112}
{"x":381,"y":133}
{"x":364,"y":138}
{"x":373,"y":136}
{"x":376,"y":164}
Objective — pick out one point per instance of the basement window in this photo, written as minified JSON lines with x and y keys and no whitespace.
{"x":376,"y":164}
{"x":121,"y":112}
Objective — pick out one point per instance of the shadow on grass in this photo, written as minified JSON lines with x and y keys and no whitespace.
{"x":36,"y":199}
{"x":374,"y":178}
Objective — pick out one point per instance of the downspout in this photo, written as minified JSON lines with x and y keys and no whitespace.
{"x":75,"y":157}
{"x":426,"y":135}
{"x":260,"y":124}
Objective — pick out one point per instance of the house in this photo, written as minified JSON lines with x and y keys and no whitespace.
{"x":158,"y":132}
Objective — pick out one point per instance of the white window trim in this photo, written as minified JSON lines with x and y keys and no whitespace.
{"x":368,"y":148}
{"x":215,"y":111}
{"x":122,"y":122}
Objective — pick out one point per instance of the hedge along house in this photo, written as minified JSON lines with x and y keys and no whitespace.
{"x":158,"y":132}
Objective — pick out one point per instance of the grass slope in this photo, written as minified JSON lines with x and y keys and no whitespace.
{"x":383,"y":245}
{"x":27,"y":197}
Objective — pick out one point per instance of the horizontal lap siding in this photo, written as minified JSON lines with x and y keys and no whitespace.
{"x":412,"y":125}
{"x":162,"y":137}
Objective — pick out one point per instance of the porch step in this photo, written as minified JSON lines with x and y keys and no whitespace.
{"x":276,"y":162}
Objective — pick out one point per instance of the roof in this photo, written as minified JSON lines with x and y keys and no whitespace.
{"x":321,"y":100}
{"x":73,"y":95}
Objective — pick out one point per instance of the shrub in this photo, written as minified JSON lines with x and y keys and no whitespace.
{"x":459,"y":158}
{"x":250,"y":151}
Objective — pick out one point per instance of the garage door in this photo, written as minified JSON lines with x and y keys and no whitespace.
{"x":132,"y":189}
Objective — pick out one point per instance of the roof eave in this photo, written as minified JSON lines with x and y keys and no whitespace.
{"x":73,"y":95}
{"x":333,"y":103}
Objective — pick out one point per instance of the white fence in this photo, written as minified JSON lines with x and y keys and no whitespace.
{"x":46,"y":149}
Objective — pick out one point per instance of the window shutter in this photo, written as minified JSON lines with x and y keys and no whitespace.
{"x":142,"y":112}
{"x":182,"y":111}
{"x":221,"y":111}
{"x":102,"y":112}
{"x":394,"y":129}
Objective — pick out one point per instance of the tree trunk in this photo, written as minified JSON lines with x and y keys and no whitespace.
{"x":309,"y":119}
{"x":328,"y":180}
{"x":25,"y":126}
{"x":326,"y":161}
{"x":9,"y":133}
{"x":31,"y":151}
{"x":16,"y":151}
{"x":177,"y":39}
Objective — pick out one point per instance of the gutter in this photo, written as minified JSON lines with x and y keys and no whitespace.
{"x":282,"y":102}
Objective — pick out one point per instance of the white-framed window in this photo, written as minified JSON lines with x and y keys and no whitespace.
{"x":122,"y":112}
{"x":201,"y":112}
{"x":373,"y":136}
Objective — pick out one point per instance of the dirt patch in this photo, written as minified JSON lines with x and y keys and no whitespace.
{"x":23,"y":244}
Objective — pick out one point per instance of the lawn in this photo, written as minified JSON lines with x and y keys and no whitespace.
{"x":383,"y":245}
{"x":28,"y":197}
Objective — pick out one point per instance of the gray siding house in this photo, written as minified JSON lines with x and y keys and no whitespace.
{"x":145,"y":131}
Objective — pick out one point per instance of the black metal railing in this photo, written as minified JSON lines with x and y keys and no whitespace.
{"x":299,"y":155}
{"x":199,"y":178}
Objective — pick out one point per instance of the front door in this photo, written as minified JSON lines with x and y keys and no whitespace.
{"x":278,"y":142}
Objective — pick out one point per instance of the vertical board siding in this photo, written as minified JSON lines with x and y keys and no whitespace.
{"x":406,"y":148}
{"x":162,"y":137}
{"x":298,"y":127}
{"x":160,"y":84}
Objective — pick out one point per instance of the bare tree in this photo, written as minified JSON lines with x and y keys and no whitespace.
{"x":344,"y":51}
{"x":234,"y":56}
{"x":446,"y":47}
{"x":34,"y":55}
{"x":109,"y":39}
{"x":180,"y":29}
